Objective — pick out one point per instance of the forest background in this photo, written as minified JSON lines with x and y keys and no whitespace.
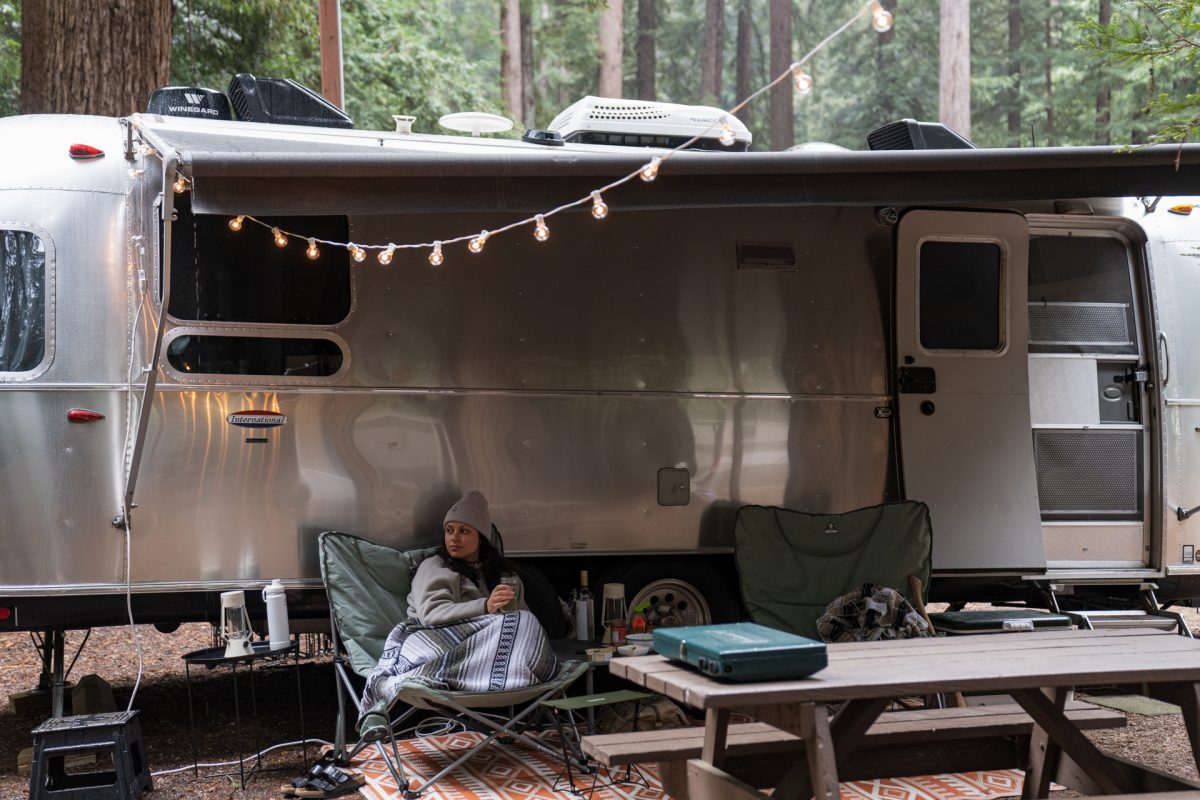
{"x":1042,"y":72}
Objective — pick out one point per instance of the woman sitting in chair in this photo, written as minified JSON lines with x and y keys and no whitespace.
{"x":467,"y":630}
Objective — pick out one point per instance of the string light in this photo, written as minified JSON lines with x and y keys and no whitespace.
{"x":312,"y":252}
{"x":650,"y":171}
{"x":726,"y":136}
{"x":180,"y":183}
{"x":476,"y":244}
{"x":804,"y":81}
{"x":599,"y":207}
{"x":881,"y":18}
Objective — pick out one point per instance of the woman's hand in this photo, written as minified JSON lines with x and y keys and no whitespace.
{"x":501,"y":596}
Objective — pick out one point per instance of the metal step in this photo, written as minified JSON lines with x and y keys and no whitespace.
{"x":1092,"y":620}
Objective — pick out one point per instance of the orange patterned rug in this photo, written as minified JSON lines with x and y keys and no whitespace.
{"x":519,"y":773}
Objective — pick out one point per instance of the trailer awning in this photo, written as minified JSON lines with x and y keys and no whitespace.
{"x":241,"y":168}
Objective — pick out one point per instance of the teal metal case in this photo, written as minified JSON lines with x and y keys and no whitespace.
{"x":742,"y":651}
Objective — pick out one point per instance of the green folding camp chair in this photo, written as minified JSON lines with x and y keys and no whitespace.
{"x":792,"y":564}
{"x":367,"y":585}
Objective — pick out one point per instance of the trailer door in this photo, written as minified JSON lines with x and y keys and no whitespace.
{"x":963,"y":386}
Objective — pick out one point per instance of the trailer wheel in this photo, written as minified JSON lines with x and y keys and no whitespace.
{"x":678,"y":585}
{"x":542,"y":601}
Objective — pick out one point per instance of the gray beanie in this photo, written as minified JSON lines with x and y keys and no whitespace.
{"x":471,"y":509}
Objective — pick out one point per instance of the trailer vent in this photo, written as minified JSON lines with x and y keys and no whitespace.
{"x":282,"y":101}
{"x":908,"y":134}
{"x":1089,"y":474}
{"x":1104,"y":324}
{"x":639,"y":123}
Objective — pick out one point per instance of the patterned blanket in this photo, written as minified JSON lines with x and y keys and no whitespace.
{"x":488,"y":653}
{"x":871,"y":613}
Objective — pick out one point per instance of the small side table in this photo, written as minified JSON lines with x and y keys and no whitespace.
{"x":213,"y":657}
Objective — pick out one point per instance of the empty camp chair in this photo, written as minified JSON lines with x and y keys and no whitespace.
{"x":792,"y":564}
{"x":367,"y":585}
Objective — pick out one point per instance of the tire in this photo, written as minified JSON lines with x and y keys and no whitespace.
{"x":542,"y":601}
{"x":680,"y":584}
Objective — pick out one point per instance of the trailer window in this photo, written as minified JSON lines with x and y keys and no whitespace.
{"x":254,"y":355}
{"x":960,"y":285}
{"x":1080,"y":296}
{"x":22,"y":301}
{"x":224,"y":276}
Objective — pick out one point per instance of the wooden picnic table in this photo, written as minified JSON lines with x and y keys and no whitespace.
{"x":1038,"y":670}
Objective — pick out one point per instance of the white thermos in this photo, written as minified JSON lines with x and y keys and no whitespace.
{"x":277,"y":618}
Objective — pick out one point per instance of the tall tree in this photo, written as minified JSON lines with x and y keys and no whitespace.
{"x":611,"y":29}
{"x":528,"y":95}
{"x":1048,"y":76}
{"x":745,"y":33}
{"x":1014,"y":71}
{"x":954,"y":65}
{"x":713,"y":52}
{"x":1104,"y":96}
{"x":783,"y":118}
{"x":511,"y":83}
{"x":647,"y":44}
{"x":93,"y":56}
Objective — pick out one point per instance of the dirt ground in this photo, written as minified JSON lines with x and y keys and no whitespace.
{"x":1160,"y":741}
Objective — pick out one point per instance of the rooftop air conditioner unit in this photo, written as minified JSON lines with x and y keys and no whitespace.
{"x":641,"y":123}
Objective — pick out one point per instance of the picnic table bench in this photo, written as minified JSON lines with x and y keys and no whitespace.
{"x":898,"y":744}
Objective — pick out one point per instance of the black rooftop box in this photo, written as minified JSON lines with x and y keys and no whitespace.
{"x":908,"y":134}
{"x":189,"y":101}
{"x":282,"y":101}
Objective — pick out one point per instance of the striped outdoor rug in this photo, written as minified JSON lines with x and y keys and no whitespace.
{"x":517,"y":773}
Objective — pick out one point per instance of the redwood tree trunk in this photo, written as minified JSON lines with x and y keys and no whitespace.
{"x":783,"y":119}
{"x":714,"y":46}
{"x":1014,"y":72}
{"x":1104,"y":96}
{"x":610,"y":49}
{"x":93,"y":56}
{"x":954,"y":67}
{"x":647,"y":43}
{"x":510,"y":58}
{"x":528,"y":96}
{"x":745,"y":32}
{"x":1048,"y":74}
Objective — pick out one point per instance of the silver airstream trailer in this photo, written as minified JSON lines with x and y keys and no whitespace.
{"x":184,"y":407}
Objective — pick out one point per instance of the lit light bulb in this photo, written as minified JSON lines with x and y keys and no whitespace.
{"x":476,"y":244}
{"x":180,"y":184}
{"x":235,"y":224}
{"x":650,"y":171}
{"x":312,"y":252}
{"x":881,"y":18}
{"x":726,"y":137}
{"x":385,"y":256}
{"x":804,"y":81}
{"x":435,"y":257}
{"x":540,"y":231}
{"x":599,"y":207}
{"x":280,"y":237}
{"x":357,"y":253}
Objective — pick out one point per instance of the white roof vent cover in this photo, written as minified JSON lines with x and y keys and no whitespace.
{"x":640,"y":123}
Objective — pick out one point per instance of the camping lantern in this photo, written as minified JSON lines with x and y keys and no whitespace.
{"x":235,"y":624}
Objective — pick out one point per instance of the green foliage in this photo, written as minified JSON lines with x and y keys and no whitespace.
{"x":1159,"y":41}
{"x":10,"y":58}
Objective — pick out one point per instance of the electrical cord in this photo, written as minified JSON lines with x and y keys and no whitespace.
{"x":236,"y":762}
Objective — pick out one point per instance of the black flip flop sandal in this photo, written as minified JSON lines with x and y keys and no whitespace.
{"x":332,"y":782}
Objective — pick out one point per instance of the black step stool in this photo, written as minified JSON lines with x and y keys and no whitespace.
{"x":118,"y":735}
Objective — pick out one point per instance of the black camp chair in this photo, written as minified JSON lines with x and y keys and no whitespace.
{"x":367,"y":585}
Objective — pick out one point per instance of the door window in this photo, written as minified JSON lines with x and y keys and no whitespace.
{"x":959,"y":285}
{"x":22,"y":301}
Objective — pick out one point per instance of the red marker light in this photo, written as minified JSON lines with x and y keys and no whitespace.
{"x":5,"y":613}
{"x":83,"y":152}
{"x":83,"y":415}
